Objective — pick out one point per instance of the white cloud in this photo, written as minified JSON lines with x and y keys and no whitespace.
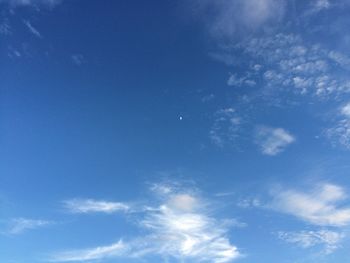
{"x":321,"y":206}
{"x":345,"y":110}
{"x":240,"y":81}
{"x":32,"y":29}
{"x":330,"y":240}
{"x":273,"y":141}
{"x":180,"y":226}
{"x":96,"y":253}
{"x":93,"y":206}
{"x":20,"y":225}
{"x":180,"y":231}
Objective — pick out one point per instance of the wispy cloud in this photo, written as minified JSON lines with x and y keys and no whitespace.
{"x":339,"y":133}
{"x":321,"y":206}
{"x":236,"y":81}
{"x":226,"y":126}
{"x":78,"y":59}
{"x":180,"y":226}
{"x":273,"y":141}
{"x":102,"y":252}
{"x":5,"y":28}
{"x":18,"y":3}
{"x":20,"y":225}
{"x":317,"y":6}
{"x":93,"y":206}
{"x":32,"y":29}
{"x":330,"y":240}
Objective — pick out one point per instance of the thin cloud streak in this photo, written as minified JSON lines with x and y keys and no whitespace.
{"x":102,"y":252}
{"x":32,"y":29}
{"x":84,"y":206}
{"x":20,"y":225}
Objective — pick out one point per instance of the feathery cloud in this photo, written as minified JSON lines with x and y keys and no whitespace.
{"x":102,"y":252}
{"x":83,"y":206}
{"x":339,"y":134}
{"x":20,"y":225}
{"x":179,"y":227}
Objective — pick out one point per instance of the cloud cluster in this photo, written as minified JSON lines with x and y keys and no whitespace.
{"x":289,"y":64}
{"x":330,"y":240}
{"x":226,"y":127}
{"x":322,"y":206}
{"x":179,"y":227}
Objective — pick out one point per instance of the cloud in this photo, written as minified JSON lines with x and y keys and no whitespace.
{"x":96,"y":253}
{"x":24,"y":3}
{"x":32,"y":29}
{"x":321,"y":206}
{"x":330,"y":240}
{"x":317,"y":6}
{"x":322,"y":4}
{"x":78,"y":59}
{"x":181,"y":226}
{"x":226,"y":126}
{"x":5,"y":28}
{"x":240,"y":81}
{"x":83,"y":206}
{"x":20,"y":225}
{"x":345,"y":110}
{"x":339,"y":134}
{"x":273,"y":141}
{"x":339,"y":58}
{"x":229,"y":19}
{"x":289,"y":65}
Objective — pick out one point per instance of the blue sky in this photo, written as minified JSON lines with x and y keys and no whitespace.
{"x":174,"y":131}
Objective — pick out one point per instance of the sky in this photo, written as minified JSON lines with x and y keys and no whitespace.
{"x":174,"y":131}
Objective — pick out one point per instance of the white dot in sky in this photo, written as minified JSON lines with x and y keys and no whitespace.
{"x":180,"y":118}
